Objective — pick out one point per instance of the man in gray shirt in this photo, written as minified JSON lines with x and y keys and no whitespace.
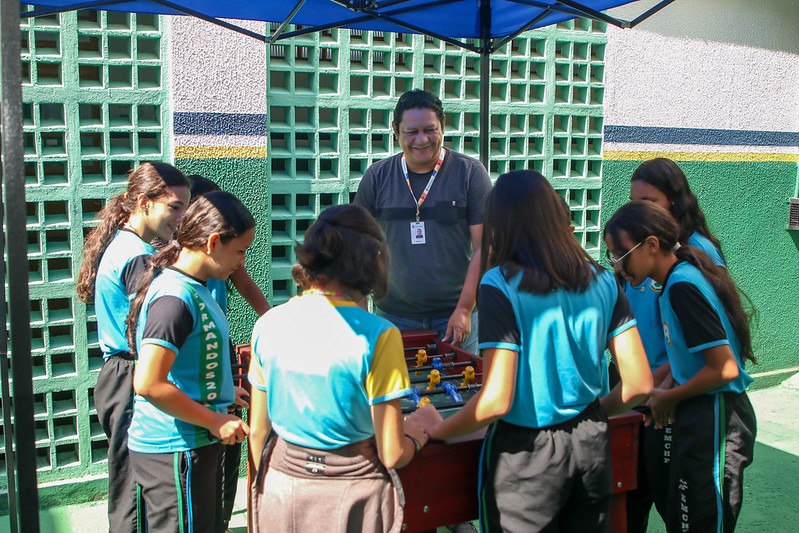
{"x":429,"y":201}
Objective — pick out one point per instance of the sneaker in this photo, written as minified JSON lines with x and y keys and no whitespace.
{"x":463,"y":527}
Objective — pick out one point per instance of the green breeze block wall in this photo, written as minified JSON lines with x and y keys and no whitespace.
{"x":94,"y":108}
{"x":746,"y":207}
{"x":246,"y":178}
{"x":331,"y":95}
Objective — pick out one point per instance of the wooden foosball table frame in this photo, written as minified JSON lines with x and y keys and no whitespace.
{"x":450,"y":496}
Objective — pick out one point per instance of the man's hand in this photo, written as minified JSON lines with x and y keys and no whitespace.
{"x":458,"y":327}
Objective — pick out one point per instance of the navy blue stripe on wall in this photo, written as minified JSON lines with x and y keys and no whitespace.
{"x":219,"y":124}
{"x":657,"y":135}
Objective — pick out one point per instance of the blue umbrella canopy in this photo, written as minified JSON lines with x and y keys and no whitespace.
{"x":488,"y":20}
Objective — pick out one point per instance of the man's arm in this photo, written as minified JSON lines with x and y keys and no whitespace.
{"x":460,"y":323}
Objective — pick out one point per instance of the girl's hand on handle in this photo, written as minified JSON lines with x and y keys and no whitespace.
{"x":427,"y":417}
{"x":663,"y":408}
{"x":242,"y":397}
{"x":229,"y":429}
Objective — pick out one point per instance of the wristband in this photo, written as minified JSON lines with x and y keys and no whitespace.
{"x":417,"y":446}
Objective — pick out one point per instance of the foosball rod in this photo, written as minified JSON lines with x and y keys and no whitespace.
{"x":443,"y":365}
{"x":430,"y":348}
{"x":450,"y":355}
{"x":442,"y":390}
{"x":453,"y":405}
{"x":424,"y":379}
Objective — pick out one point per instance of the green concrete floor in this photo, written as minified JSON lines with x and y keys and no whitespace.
{"x":770,"y":484}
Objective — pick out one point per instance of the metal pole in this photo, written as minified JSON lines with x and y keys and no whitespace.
{"x":12,"y":183}
{"x":485,"y":112}
{"x":485,"y":81}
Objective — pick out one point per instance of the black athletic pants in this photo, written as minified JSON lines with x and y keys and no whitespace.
{"x":714,"y":441}
{"x":654,"y":462}
{"x":113,"y":398}
{"x":182,"y":490}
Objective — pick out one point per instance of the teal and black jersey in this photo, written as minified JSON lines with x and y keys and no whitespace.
{"x":697,"y":240}
{"x":180,"y":314}
{"x":644,"y":301}
{"x":121,"y":266}
{"x":560,"y":338}
{"x":218,"y":289}
{"x":694,"y":320}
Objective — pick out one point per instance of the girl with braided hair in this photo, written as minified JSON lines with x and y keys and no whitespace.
{"x":183,"y":381}
{"x":116,"y":254}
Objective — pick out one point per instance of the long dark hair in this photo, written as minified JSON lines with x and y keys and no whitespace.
{"x":149,"y":179}
{"x":642,"y":219}
{"x":345,"y":244}
{"x":525,"y":228}
{"x":215,"y":212}
{"x":664,"y":175}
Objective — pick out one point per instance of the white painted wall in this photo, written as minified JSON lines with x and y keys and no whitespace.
{"x":216,"y":70}
{"x":707,"y":64}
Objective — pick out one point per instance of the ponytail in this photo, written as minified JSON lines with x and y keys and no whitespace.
{"x":641,"y":219}
{"x":162,"y":259}
{"x":216,"y":212}
{"x":731,"y":296}
{"x":112,"y":217}
{"x":149,"y":179}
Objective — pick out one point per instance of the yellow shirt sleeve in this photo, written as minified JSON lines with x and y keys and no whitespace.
{"x":388,"y":376}
{"x":256,"y":371}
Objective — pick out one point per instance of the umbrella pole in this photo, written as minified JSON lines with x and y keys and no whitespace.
{"x":485,"y":100}
{"x":24,"y":509}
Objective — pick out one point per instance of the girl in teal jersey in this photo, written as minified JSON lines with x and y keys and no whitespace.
{"x":116,"y":253}
{"x":663,"y":183}
{"x":707,"y":339}
{"x":550,"y":312}
{"x":183,"y":379}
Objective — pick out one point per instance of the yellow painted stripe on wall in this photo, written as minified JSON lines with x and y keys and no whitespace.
{"x":220,"y":152}
{"x":735,"y":157}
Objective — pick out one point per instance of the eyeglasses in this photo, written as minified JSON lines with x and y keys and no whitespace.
{"x":619,"y":262}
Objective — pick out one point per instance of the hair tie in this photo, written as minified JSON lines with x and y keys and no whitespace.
{"x":676,"y":247}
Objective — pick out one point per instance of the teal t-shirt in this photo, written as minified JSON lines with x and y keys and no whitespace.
{"x":180,"y":314}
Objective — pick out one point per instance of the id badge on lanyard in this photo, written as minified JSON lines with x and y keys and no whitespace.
{"x":418,"y":235}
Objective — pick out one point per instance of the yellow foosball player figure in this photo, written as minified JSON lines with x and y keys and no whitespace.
{"x":421,"y":359}
{"x":424,"y":401}
{"x":434,"y":378}
{"x":468,"y":376}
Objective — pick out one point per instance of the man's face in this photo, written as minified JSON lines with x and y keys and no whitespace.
{"x":420,"y":136}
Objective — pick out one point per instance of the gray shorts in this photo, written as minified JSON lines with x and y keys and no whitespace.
{"x":557,"y":478}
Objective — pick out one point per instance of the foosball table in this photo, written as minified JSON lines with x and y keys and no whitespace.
{"x":440,"y":484}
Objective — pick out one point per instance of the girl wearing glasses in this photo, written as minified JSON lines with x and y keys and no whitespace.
{"x":707,"y":340}
{"x":661,"y":182}
{"x":550,"y":313}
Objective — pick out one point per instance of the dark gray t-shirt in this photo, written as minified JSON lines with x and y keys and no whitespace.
{"x":426,"y":279}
